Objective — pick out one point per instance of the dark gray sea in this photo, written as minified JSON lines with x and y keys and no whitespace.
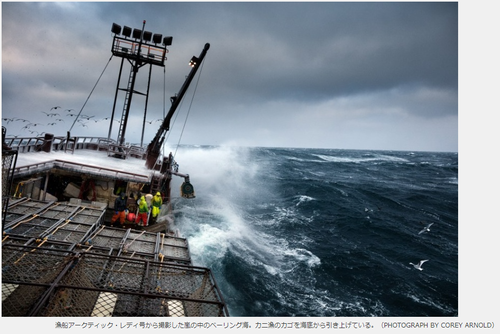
{"x":324,"y":232}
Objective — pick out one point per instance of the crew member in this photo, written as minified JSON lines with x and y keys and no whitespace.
{"x":156,"y":204}
{"x":143,"y":213}
{"x":120,"y":206}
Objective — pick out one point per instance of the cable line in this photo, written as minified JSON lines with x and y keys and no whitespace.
{"x":189,"y":109}
{"x":90,"y":94}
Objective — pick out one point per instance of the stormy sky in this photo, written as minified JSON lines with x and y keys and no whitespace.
{"x":325,"y":75}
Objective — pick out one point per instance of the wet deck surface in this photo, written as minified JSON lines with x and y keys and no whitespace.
{"x":61,"y":259}
{"x":77,"y":224}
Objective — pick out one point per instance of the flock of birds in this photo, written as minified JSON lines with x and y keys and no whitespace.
{"x":418,"y":265}
{"x":57,"y":118}
{"x":427,"y":228}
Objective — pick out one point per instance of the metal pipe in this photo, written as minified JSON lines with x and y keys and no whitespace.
{"x":116,"y":97}
{"x":146,"y":104}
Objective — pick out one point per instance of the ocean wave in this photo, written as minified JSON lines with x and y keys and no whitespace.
{"x":286,"y":231}
{"x":357,"y":160}
{"x":304,"y":256}
{"x":303,"y":199}
{"x":431,"y":305}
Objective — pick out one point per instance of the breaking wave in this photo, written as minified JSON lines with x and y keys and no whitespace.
{"x":287,"y":234}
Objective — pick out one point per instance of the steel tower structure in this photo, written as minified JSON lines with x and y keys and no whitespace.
{"x":139,"y":47}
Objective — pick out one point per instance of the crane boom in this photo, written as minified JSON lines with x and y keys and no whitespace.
{"x":153,"y":150}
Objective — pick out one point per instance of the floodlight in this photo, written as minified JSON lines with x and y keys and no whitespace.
{"x":157,"y":38}
{"x":147,"y":36}
{"x":137,"y":33}
{"x":167,"y":40}
{"x":116,"y":29}
{"x":126,"y":31}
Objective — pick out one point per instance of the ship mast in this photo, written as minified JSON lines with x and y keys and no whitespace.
{"x":139,"y":47}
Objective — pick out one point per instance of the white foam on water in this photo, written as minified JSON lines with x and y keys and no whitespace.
{"x":303,"y":199}
{"x":380,"y":157}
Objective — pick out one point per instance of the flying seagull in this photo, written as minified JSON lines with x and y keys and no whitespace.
{"x":8,"y":120}
{"x":36,"y":133}
{"x":51,"y":114}
{"x":56,"y":107}
{"x":419,"y":265}
{"x":30,"y":125}
{"x":426,"y":229}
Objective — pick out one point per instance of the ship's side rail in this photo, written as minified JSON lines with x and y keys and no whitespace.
{"x":24,"y":144}
{"x":57,"y":143}
{"x":65,"y":143}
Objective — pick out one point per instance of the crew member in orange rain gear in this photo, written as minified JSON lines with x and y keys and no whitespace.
{"x":120,"y":206}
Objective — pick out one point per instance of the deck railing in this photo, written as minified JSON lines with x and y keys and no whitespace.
{"x":57,"y":143}
{"x":64,"y":143}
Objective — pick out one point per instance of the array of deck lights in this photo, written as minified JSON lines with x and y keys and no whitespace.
{"x":146,"y":36}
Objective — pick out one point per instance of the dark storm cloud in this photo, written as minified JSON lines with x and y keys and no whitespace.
{"x":319,"y":51}
{"x":302,"y":50}
{"x":269,"y":63}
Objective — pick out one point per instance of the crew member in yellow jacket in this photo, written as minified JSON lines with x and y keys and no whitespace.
{"x":143,"y":213}
{"x":156,"y":204}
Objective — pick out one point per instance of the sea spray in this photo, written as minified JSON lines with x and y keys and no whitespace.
{"x":225,"y":180}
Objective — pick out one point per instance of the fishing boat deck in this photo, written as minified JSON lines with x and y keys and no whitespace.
{"x":91,"y":169}
{"x":58,"y":259}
